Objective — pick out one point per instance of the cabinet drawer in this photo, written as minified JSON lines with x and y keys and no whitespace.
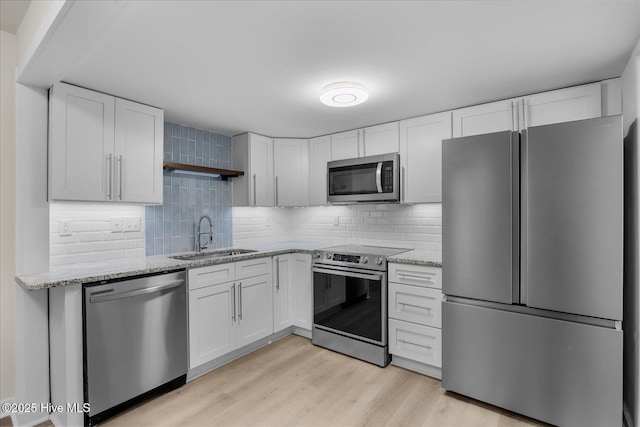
{"x":211,"y":275}
{"x":418,"y":275}
{"x":416,"y":342}
{"x":253,"y":267}
{"x":415,"y":304}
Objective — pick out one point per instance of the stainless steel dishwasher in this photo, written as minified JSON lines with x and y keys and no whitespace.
{"x":135,"y":342}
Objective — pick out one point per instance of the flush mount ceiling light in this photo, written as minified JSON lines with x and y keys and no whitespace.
{"x":344,"y":94}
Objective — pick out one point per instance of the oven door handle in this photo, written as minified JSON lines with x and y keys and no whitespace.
{"x":348,"y":273}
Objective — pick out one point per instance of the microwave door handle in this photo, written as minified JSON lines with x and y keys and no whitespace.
{"x":379,"y":177}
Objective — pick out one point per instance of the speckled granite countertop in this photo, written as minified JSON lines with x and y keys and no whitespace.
{"x":418,"y":257}
{"x":119,"y":269}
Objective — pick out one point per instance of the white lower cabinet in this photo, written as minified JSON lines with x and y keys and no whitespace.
{"x":292,"y":291}
{"x":230,"y":305}
{"x":415,"y":317}
{"x":415,"y":342}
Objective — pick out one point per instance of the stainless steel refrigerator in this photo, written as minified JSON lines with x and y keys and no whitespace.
{"x":532,"y":270}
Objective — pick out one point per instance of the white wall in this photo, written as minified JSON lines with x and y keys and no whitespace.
{"x":415,"y":227}
{"x":7,"y":214}
{"x":91,"y":238}
{"x":631,"y":321}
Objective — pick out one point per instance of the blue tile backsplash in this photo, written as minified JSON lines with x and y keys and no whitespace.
{"x":171,"y":228}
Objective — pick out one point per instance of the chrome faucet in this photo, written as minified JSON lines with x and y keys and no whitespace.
{"x":209,"y":234}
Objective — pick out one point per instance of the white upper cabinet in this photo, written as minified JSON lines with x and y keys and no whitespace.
{"x":291,"y":169}
{"x":370,"y":141}
{"x":421,"y":157}
{"x":562,"y":105}
{"x":319,"y":155}
{"x":486,"y":118}
{"x":103,"y":148}
{"x":345,"y":145}
{"x":139,"y":152}
{"x":81,"y":144}
{"x":253,"y":154}
{"x":380,"y":139}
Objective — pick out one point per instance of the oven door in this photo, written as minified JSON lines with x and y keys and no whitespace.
{"x":351,"y":302}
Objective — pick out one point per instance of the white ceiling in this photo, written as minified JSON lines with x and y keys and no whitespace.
{"x":236,"y":66}
{"x":11,"y":14}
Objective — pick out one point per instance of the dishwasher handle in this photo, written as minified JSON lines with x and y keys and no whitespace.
{"x":112,"y":297}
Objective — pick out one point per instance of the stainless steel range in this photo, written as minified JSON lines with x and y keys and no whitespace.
{"x":350,"y":300}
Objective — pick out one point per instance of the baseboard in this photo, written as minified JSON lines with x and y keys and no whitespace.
{"x":626,"y":415}
{"x":421,"y":368}
{"x":14,"y":417}
{"x":302,"y":332}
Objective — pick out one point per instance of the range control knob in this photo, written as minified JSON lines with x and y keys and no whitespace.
{"x":328,"y":255}
{"x":365,"y":260}
{"x":379,"y":260}
{"x":316,"y":254}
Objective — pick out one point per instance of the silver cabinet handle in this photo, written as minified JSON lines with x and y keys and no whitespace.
{"x":111,"y":297}
{"x":233,"y":306}
{"x":404,"y":304}
{"x":415,"y":276}
{"x":277,"y":191}
{"x":277,"y":274}
{"x":254,"y":189}
{"x":358,"y":144}
{"x":524,"y":114}
{"x":239,"y":301}
{"x":428,"y":347}
{"x":110,"y":174}
{"x":120,"y":177}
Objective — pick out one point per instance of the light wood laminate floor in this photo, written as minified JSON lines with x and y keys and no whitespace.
{"x":294,"y":383}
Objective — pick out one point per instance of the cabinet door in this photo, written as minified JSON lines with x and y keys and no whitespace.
{"x":282,"y":301}
{"x":261,"y":170}
{"x":421,"y":157}
{"x":381,"y":139}
{"x":345,"y":145}
{"x":255,"y":309}
{"x":486,"y":118}
{"x":416,"y":342}
{"x":291,"y":169}
{"x":212,"y":323}
{"x":138,"y":152}
{"x":81,"y":138}
{"x":301,"y":285}
{"x":319,"y":155}
{"x":564,"y":105}
{"x":415,"y":304}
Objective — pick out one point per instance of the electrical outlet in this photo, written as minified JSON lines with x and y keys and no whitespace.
{"x":116,"y":225}
{"x":131,"y":223}
{"x":267,"y":221}
{"x":64,"y":227}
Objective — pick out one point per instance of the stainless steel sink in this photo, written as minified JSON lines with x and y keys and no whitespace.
{"x":194,"y":256}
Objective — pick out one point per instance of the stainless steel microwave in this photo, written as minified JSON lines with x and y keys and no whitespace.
{"x":371,"y":179}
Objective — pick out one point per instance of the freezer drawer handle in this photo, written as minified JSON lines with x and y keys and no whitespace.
{"x":428,"y":347}
{"x":144,"y":291}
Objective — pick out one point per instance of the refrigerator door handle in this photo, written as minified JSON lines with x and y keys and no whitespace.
{"x":523,"y":218}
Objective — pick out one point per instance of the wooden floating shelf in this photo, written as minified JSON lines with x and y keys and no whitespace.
{"x":225,"y":174}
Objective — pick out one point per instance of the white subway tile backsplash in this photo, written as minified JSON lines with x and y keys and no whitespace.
{"x":415,"y":227}
{"x":91,"y":237}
